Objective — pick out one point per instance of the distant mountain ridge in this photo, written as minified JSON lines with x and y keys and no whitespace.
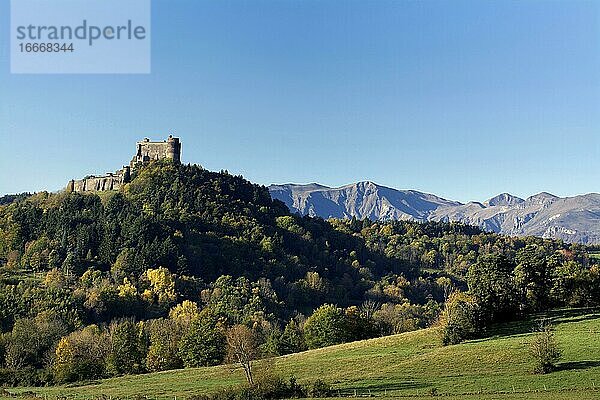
{"x":572,"y":219}
{"x":362,"y":199}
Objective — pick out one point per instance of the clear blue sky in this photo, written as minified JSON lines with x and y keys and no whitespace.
{"x":462,"y":99}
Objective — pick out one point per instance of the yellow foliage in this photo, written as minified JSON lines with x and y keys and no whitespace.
{"x":55,"y":279}
{"x":127,"y":289}
{"x":184,"y":312}
{"x":162,"y":284}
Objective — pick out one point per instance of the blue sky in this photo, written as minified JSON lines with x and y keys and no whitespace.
{"x":462,"y":99}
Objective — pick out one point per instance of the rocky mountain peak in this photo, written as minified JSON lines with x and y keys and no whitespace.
{"x":542,"y":198}
{"x":503,"y":199}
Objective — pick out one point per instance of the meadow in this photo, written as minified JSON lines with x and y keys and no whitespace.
{"x":408,"y":365}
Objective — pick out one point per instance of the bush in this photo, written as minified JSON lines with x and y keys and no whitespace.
{"x":544,"y":349}
{"x":28,"y":376}
{"x":320,"y":389}
{"x":273,"y":387}
{"x":270,"y":387}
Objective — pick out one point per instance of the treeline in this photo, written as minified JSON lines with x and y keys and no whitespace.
{"x":45,"y":350}
{"x":502,"y":288}
{"x":155,"y":276}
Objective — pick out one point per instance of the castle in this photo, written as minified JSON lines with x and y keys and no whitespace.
{"x":146,"y":151}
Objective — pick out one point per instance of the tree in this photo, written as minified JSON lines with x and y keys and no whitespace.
{"x":204,"y":343}
{"x":162,"y":286}
{"x":368,"y":308}
{"x":31,"y":339}
{"x":69,"y":265}
{"x":397,"y":318}
{"x":185,"y":312}
{"x":445,"y":284}
{"x":55,"y":279}
{"x":242,"y":348}
{"x":573,"y":285}
{"x":292,"y":339}
{"x":327,"y":326}
{"x":81,"y":355}
{"x":544,"y":349}
{"x":128,"y":347}
{"x":490,"y":281}
{"x":359,"y":327}
{"x":533,"y":278}
{"x":164,"y":335}
{"x":461,"y":318}
{"x":124,"y":264}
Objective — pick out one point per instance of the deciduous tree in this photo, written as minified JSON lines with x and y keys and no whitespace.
{"x":242,"y":348}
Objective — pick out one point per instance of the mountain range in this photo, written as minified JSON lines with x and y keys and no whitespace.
{"x":573,"y":219}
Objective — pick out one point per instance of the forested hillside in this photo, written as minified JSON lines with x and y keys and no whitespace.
{"x":155,"y":276}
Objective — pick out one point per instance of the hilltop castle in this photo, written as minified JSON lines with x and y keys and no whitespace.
{"x":146,"y":151}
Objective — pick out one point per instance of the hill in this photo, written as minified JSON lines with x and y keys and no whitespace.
{"x":572,"y":219}
{"x":406,"y":365}
{"x":153,"y":276}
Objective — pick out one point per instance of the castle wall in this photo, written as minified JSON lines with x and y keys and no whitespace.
{"x":154,"y":151}
{"x":100,"y":183}
{"x":97,"y":183}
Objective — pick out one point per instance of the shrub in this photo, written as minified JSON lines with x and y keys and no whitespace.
{"x":320,"y":389}
{"x":269,"y":387}
{"x":28,"y":376}
{"x":544,"y":349}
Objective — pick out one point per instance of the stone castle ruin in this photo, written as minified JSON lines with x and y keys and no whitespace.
{"x":146,"y":151}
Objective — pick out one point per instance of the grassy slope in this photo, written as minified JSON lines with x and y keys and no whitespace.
{"x":407,"y":365}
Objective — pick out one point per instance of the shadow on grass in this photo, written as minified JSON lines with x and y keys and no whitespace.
{"x":577,"y":365}
{"x":580,"y":318}
{"x":528,"y":325}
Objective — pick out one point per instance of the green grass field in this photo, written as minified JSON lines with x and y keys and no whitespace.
{"x":409,"y":365}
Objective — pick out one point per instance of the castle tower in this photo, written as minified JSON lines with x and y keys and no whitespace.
{"x":126,"y":174}
{"x":173,"y":149}
{"x":147,"y":151}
